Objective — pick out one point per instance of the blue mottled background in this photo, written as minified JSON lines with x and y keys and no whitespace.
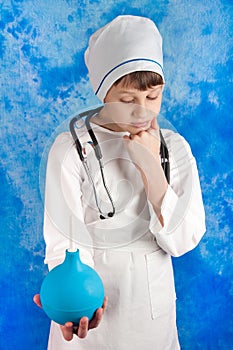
{"x":44,"y":81}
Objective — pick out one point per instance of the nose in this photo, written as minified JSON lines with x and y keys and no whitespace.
{"x":139,"y":110}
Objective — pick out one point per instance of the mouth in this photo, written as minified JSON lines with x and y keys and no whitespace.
{"x":139,"y":125}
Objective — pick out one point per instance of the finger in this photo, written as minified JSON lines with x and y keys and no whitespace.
{"x":132,"y":136}
{"x":105,"y":303}
{"x":36,"y":300}
{"x":67,"y":331}
{"x":98,"y":315}
{"x":96,"y":319}
{"x":83,"y":327}
{"x":125,"y":137}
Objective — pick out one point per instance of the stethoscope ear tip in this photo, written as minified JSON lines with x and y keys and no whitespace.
{"x":110,"y":215}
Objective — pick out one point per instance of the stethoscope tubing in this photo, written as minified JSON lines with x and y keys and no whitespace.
{"x":98,"y":155}
{"x":164,"y":154}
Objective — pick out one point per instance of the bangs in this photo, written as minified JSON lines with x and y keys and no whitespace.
{"x":141,"y":80}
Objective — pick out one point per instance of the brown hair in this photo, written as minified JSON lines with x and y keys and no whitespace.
{"x":141,"y":80}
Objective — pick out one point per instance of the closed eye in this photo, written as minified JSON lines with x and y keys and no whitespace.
{"x":126,"y":101}
{"x":152,"y":97}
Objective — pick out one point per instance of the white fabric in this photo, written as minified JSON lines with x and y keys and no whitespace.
{"x":125,"y":45}
{"x":130,"y":251}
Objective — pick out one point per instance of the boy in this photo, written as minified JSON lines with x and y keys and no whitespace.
{"x":153,"y":220}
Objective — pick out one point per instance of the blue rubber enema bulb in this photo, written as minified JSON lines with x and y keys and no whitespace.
{"x":71,"y":290}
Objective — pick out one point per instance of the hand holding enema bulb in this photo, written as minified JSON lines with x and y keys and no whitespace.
{"x":72,"y":289}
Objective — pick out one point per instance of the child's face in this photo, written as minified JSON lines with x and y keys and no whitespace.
{"x":129,"y":109}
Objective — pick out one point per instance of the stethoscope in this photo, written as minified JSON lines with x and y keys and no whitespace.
{"x":88,"y":115}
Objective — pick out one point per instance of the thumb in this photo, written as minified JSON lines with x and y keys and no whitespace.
{"x":154,"y":128}
{"x":37,"y":300}
{"x":154,"y":124}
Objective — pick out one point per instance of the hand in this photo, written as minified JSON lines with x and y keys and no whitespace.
{"x":144,"y":149}
{"x":143,"y":145}
{"x":68,"y":330}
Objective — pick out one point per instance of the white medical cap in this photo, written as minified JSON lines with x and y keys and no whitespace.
{"x":125,"y":45}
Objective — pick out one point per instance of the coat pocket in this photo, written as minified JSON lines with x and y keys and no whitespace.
{"x":160,"y":282}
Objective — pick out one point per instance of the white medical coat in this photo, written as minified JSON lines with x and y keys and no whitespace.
{"x":131,"y":251}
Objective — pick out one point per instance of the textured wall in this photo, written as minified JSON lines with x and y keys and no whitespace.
{"x":44,"y":81}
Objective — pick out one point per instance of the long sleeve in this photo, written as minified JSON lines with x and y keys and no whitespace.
{"x":182,"y":207}
{"x":63,"y":207}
